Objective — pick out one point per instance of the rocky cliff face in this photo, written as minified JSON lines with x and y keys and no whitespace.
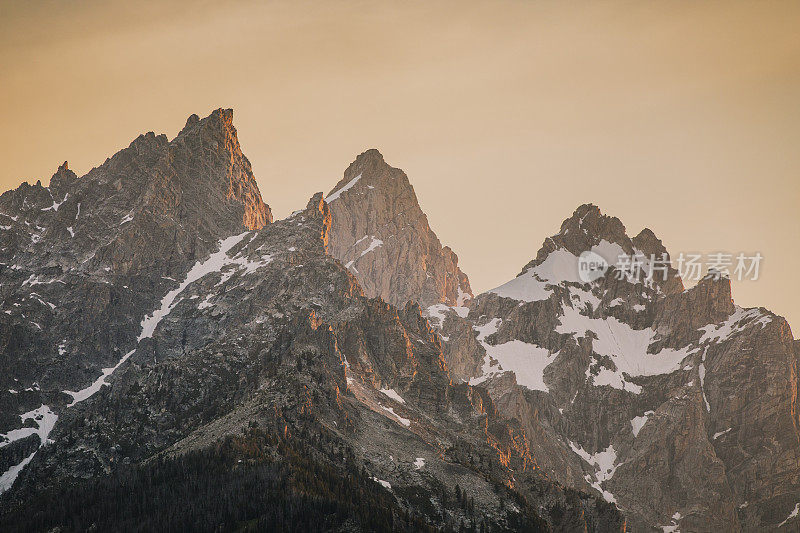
{"x":382,"y":236}
{"x":252,"y":346}
{"x":676,"y":405}
{"x":159,"y":333}
{"x":83,"y":260}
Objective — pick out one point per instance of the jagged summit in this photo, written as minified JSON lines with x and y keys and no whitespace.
{"x":191,"y":121}
{"x":62,"y":179}
{"x":370,"y":160}
{"x":149,"y":310}
{"x":588,"y":230}
{"x":261,"y":346}
{"x":220,"y":120}
{"x":382,"y":236}
{"x":671,"y":403}
{"x":201,"y":178}
{"x":370,"y":154}
{"x":83,"y":260}
{"x":647,"y":242}
{"x":318,"y":208}
{"x":368,"y":170}
{"x":234,"y":174}
{"x":587,"y":227}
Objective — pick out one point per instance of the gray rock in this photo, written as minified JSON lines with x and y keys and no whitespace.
{"x":259,"y":328}
{"x":381,"y":234}
{"x":684,"y":399}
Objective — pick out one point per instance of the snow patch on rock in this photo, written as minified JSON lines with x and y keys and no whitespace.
{"x":213,"y":263}
{"x":384,"y":484}
{"x":792,"y":515}
{"x":346,"y":188}
{"x":560,"y":266}
{"x":604,"y":465}
{"x":738,"y":321}
{"x":98,"y":384}
{"x":45,"y":421}
{"x":625,"y":346}
{"x":720,"y":433}
{"x":405,"y":421}
{"x":639,"y":421}
{"x":391,"y":393}
{"x":527,"y":361}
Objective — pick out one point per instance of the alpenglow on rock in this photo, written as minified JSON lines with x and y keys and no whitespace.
{"x":179,"y":363}
{"x":84,"y":261}
{"x":158,"y":334}
{"x":382,"y":236}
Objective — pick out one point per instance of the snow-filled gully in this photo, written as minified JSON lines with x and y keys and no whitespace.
{"x":46,"y":419}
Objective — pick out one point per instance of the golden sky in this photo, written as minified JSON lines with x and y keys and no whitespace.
{"x":680,"y":116}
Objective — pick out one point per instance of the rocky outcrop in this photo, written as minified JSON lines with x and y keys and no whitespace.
{"x":262,"y":344}
{"x":676,"y":405}
{"x":382,"y":236}
{"x":83,"y":261}
{"x":680,"y":316}
{"x":151,"y":312}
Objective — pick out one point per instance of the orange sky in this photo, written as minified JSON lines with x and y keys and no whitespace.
{"x":680,"y":116}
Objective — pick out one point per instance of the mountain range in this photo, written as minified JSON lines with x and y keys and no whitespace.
{"x":174,"y":358}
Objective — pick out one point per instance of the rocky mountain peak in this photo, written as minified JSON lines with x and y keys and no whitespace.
{"x":718,"y":290}
{"x":214,"y":140}
{"x":191,"y":121}
{"x":589,"y":230}
{"x":260,"y":336}
{"x":648,"y":245}
{"x":62,"y":178}
{"x":102,"y":250}
{"x":141,"y":322}
{"x":647,"y":242}
{"x":580,"y":232}
{"x":370,"y":160}
{"x":382,"y":236}
{"x":220,"y":122}
{"x":144,"y":143}
{"x":671,"y":403}
{"x":588,"y":221}
{"x":317,"y":206}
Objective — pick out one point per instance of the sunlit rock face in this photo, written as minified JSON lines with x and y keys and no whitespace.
{"x":88,"y":253}
{"x":382,"y":236}
{"x":151,"y":309}
{"x":677,"y":405}
{"x":158,"y":314}
{"x":85,"y":260}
